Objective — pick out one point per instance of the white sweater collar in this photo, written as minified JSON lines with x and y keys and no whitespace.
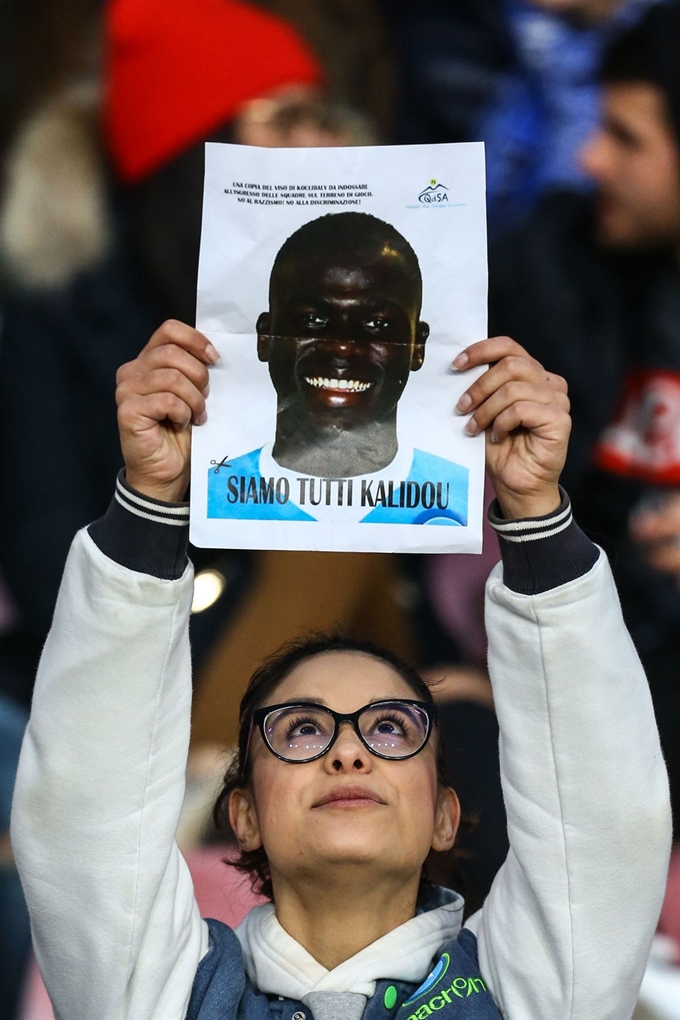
{"x":278,"y":965}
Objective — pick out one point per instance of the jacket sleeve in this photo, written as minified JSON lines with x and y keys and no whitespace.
{"x":116,"y":928}
{"x":566,"y":929}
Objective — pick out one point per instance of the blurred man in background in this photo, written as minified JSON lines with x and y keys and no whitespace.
{"x":548,"y":102}
{"x":594,"y":288}
{"x":521,"y":75}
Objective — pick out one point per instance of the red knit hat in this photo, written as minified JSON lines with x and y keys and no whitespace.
{"x":178,"y":69}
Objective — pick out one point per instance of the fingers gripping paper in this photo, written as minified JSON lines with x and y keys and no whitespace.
{"x":338,"y":286}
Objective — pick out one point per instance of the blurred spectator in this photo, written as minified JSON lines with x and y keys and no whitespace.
{"x":592,"y":288}
{"x":548,"y":102}
{"x":521,"y":75}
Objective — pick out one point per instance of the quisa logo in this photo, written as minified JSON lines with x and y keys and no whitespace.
{"x":434,"y":194}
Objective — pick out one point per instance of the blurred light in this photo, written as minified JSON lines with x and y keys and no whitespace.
{"x":208,"y":586}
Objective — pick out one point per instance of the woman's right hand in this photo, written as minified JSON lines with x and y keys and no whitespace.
{"x":159,"y":396}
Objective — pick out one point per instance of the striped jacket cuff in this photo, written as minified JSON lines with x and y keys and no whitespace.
{"x":540,"y":553}
{"x":144,"y":534}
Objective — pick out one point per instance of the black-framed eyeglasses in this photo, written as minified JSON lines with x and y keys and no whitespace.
{"x":303,"y":731}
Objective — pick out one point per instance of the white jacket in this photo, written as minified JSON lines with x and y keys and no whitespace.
{"x":565,"y":931}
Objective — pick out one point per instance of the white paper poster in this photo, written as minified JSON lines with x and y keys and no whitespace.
{"x":338,"y":286}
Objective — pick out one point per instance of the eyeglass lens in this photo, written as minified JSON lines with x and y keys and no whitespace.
{"x":393,"y":730}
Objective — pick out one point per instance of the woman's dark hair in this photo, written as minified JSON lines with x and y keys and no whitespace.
{"x":440,"y":868}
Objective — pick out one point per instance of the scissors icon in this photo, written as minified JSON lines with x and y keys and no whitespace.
{"x":217,"y":464}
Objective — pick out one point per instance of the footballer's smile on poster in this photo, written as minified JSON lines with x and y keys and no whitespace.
{"x":338,"y":285}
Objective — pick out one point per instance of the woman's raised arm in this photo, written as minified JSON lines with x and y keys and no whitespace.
{"x":566,"y":929}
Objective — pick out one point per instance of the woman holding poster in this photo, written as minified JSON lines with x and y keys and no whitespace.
{"x":337,"y":294}
{"x":336,"y":797}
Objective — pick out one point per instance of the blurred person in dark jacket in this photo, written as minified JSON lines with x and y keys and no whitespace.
{"x":521,"y":75}
{"x":593,"y":287}
{"x":547,"y":102}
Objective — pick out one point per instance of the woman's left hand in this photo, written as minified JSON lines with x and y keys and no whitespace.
{"x":525,"y":413}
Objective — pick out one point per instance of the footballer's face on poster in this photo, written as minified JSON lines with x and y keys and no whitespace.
{"x":341,"y":337}
{"x":337,"y":308}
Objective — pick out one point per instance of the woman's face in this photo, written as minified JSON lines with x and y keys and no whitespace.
{"x":393,"y":811}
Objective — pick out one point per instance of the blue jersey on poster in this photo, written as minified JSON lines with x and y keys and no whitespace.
{"x":435,"y":491}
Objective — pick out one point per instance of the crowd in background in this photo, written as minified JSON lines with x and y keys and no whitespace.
{"x":104,"y":110}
